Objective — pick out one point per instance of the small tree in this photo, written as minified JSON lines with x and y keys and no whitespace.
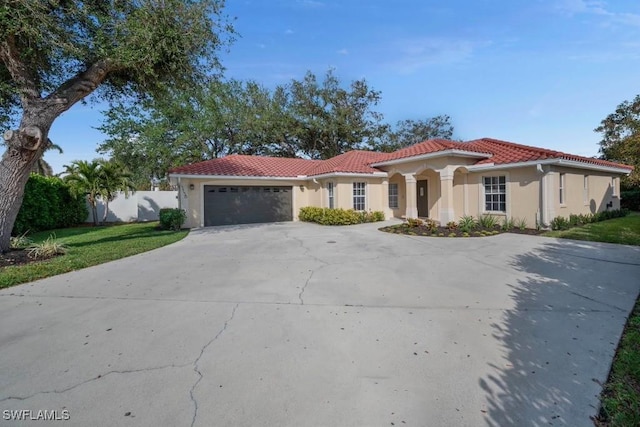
{"x":84,"y":178}
{"x":113,"y":178}
{"x":98,"y":180}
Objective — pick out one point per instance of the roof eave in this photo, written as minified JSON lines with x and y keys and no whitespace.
{"x":443,"y":153}
{"x":561,"y":162}
{"x":350,"y":174}
{"x":239,"y":177}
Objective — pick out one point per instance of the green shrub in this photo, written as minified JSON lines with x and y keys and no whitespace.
{"x":630,"y":199}
{"x":488,"y":221}
{"x":172,"y":219}
{"x":574,"y":220}
{"x":46,"y":249}
{"x":326,"y":216}
{"x":467,"y":223}
{"x":560,"y":223}
{"x":48,"y":203}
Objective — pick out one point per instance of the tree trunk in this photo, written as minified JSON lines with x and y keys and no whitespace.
{"x":26,"y":145}
{"x":106,"y":211}
{"x":24,"y":148}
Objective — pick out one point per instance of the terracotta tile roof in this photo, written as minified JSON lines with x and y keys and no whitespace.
{"x":430,"y":146}
{"x":499,"y":152}
{"x":240,"y":165}
{"x":505,"y":152}
{"x":350,"y":162}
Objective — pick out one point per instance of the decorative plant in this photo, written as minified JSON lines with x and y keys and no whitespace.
{"x":467,"y":223}
{"x":508,"y":224}
{"x":20,"y":242}
{"x":46,"y":249}
{"x":451,"y":226}
{"x":488,"y":221}
{"x":521,"y":223}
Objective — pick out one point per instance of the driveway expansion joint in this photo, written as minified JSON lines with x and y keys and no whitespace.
{"x":195,"y":363}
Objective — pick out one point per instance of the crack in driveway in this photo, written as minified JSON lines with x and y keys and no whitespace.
{"x":304,"y":288}
{"x":195,"y":364}
{"x":99,"y":377}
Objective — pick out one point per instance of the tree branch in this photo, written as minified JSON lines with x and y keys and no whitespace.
{"x":81,"y":85}
{"x":20,"y":74}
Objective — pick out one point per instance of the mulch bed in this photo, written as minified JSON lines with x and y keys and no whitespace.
{"x":16,"y":257}
{"x":447,"y":232}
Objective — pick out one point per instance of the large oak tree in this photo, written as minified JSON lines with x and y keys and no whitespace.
{"x":621,"y":139}
{"x":54,"y":53}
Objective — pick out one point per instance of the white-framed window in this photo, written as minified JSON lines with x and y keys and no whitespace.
{"x":359,"y":195}
{"x":330,"y":194}
{"x":561,"y":188}
{"x":495,"y":193}
{"x":393,"y":196}
{"x":585,"y":190}
{"x":613,"y":187}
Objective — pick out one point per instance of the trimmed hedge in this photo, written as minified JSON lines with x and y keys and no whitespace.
{"x":172,"y":219}
{"x":48,"y":203}
{"x":630,"y":199}
{"x":562,"y":223}
{"x":326,"y":216}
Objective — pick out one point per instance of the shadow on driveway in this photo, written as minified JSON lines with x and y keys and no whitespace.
{"x":560,"y":338}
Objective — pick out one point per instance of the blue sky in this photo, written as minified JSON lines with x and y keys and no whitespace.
{"x":537,"y":72}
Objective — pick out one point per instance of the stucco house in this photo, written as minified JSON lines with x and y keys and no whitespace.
{"x":438,"y":179}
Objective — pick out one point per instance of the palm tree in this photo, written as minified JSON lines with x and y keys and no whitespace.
{"x":114,"y":178}
{"x":85,"y":178}
{"x":98,"y":179}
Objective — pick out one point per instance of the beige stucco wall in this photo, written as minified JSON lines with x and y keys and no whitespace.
{"x":523,"y":189}
{"x":376,"y":194}
{"x":599,"y":194}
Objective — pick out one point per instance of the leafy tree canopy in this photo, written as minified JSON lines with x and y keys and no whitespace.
{"x":621,"y":139}
{"x":409,"y":132}
{"x":55,"y":53}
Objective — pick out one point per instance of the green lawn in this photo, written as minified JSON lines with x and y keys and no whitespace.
{"x":91,"y":246}
{"x":624,"y":231}
{"x":620,"y":399}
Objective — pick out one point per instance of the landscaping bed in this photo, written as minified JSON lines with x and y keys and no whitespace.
{"x":466,"y":227}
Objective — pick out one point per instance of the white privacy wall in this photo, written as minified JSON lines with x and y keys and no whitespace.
{"x":139,"y":206}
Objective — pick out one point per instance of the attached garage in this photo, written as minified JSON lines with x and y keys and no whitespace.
{"x":229,"y":205}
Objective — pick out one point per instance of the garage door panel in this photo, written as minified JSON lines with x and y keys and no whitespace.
{"x":226,"y":205}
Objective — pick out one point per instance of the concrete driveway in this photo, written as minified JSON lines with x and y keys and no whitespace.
{"x":301,"y":325}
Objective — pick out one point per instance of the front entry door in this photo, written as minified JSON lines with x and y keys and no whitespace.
{"x":423,"y":205}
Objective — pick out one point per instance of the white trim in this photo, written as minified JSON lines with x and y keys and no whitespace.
{"x":366,"y":196}
{"x":444,"y":153}
{"x":465,"y":192}
{"x":560,"y":162}
{"x":350,"y":175}
{"x":236,"y":177}
{"x":507,"y":194}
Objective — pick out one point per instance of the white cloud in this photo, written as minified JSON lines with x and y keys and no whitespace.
{"x":415,"y":54}
{"x":311,"y":3}
{"x":289,"y":31}
{"x":343,"y":52}
{"x":599,"y":8}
